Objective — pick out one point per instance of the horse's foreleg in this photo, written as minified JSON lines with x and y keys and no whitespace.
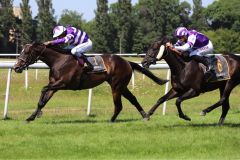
{"x":44,"y":98}
{"x":171,"y":94}
{"x":117,"y":104}
{"x":47,"y":93}
{"x":225,"y":108}
{"x":187,"y":95}
{"x":129,"y":96}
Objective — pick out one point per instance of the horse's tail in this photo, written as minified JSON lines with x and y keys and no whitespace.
{"x":139,"y":68}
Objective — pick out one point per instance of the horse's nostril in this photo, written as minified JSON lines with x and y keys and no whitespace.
{"x":17,"y":70}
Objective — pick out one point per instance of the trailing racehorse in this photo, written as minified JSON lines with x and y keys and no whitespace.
{"x":67,"y":73}
{"x":188,"y":80}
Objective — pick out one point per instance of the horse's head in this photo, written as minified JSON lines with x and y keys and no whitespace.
{"x":29,"y":55}
{"x":155,"y":52}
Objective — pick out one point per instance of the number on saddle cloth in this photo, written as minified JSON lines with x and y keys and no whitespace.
{"x":97,"y":63}
{"x":220,"y":68}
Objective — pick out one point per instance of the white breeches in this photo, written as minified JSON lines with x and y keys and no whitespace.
{"x":82,"y":48}
{"x":208,"y":49}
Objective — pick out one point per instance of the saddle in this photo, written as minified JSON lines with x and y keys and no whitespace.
{"x":220,"y":68}
{"x":96,"y":61}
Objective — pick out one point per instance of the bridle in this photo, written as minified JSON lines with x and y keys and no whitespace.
{"x":158,"y":54}
{"x":31,"y":58}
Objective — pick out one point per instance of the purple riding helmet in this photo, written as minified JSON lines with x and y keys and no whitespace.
{"x":181,"y":31}
{"x":58,"y":30}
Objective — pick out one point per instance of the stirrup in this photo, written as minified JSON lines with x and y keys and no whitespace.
{"x":89,"y":67}
{"x":209,"y":68}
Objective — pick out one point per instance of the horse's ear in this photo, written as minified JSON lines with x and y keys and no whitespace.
{"x":166,"y":39}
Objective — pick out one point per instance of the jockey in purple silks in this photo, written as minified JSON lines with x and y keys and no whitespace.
{"x":78,"y":40}
{"x":196,"y":43}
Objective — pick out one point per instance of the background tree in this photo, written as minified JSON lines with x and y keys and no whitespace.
{"x":125,"y":27}
{"x":46,"y":21}
{"x":27,"y":22}
{"x":144,"y":32}
{"x":157,"y":18}
{"x":102,"y":31}
{"x":224,"y":20}
{"x":184,"y":10}
{"x":7,"y":23}
{"x":224,"y":14}
{"x":137,"y":26}
{"x":198,"y":19}
{"x":71,"y":18}
{"x":224,"y":40}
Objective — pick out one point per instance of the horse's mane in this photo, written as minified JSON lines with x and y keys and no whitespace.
{"x":164,"y":40}
{"x":55,"y":48}
{"x":59,"y":49}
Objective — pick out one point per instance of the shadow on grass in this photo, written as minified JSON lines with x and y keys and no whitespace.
{"x":91,"y":121}
{"x":230,"y":125}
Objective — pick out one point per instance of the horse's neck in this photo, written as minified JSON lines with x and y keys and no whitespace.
{"x":176,"y":64}
{"x":51,"y":57}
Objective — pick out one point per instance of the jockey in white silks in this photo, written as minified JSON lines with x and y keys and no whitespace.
{"x":79,"y":41}
{"x":196,"y":43}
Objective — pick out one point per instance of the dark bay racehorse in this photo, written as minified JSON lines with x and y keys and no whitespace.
{"x":66,"y":74}
{"x":187,"y":79}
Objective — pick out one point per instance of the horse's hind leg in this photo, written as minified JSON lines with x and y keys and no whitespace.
{"x":129,"y":96}
{"x":209,"y":109}
{"x":117,"y":103}
{"x":224,"y":101}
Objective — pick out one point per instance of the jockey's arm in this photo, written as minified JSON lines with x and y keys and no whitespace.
{"x":183,"y":48}
{"x":63,"y":40}
{"x":187,"y":46}
{"x":172,"y":47}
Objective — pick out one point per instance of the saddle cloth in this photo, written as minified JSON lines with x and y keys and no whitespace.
{"x":220,"y":68}
{"x":97,"y":63}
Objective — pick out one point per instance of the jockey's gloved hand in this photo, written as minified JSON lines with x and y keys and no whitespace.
{"x":47,"y":43}
{"x":169,"y":44}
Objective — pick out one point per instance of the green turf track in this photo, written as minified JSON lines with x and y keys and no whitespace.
{"x":65,"y":132}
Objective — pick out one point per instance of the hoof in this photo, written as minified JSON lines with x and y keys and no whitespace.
{"x":221,"y":121}
{"x":39,"y":114}
{"x":202,"y":113}
{"x":29,"y":119}
{"x":163,"y":82}
{"x":150,"y":113}
{"x":112,"y":121}
{"x":146,"y":119}
{"x":185,"y":117}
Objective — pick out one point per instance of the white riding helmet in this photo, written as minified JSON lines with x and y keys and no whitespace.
{"x":58,"y":30}
{"x":181,"y":31}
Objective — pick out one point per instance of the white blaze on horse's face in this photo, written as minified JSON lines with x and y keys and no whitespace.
{"x":160,"y":53}
{"x":22,"y":50}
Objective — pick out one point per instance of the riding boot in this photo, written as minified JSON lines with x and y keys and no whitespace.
{"x":89,"y":65}
{"x":206,"y":62}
